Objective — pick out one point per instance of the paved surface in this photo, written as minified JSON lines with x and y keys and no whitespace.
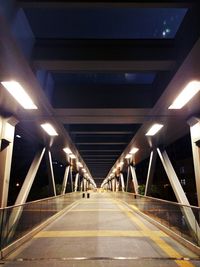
{"x":101,"y":231}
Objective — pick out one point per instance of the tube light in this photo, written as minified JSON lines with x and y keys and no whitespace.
{"x":67,"y":150}
{"x":191,"y":89}
{"x":80,"y":164}
{"x":48,"y":128}
{"x":134,"y":150}
{"x":20,"y":95}
{"x":154,"y":129}
{"x":128,"y":156}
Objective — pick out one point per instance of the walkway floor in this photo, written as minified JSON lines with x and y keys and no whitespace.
{"x":101,"y":231}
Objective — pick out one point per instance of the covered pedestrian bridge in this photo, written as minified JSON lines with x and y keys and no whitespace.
{"x":99,"y":133}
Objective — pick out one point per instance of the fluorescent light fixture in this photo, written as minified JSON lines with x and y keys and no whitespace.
{"x":48,"y":128}
{"x":134,"y":150}
{"x":154,"y":129}
{"x":18,"y":92}
{"x":67,"y":150}
{"x":114,"y":170}
{"x":128,"y":156}
{"x":80,"y":164}
{"x":120,"y":164}
{"x":191,"y":89}
{"x":72,"y":156}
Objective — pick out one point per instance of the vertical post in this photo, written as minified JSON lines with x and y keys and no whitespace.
{"x":134,"y":179}
{"x":7,"y":130}
{"x":64,"y":185}
{"x":71,"y":179}
{"x":76,"y":182}
{"x":195,"y":140}
{"x":127,"y":180}
{"x":109,"y":185}
{"x":84,"y":184}
{"x":178,"y":190}
{"x":151,"y":169}
{"x":52,"y":188}
{"x":122,"y":182}
{"x":114,"y":184}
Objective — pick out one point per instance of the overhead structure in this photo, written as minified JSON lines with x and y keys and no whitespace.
{"x":101,"y":74}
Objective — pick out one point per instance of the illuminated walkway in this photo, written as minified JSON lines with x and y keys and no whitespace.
{"x":101,"y":231}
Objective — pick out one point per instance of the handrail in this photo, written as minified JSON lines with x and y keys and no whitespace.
{"x":163,"y":200}
{"x":36,"y":201}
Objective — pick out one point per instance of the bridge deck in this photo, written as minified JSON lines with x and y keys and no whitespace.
{"x":101,"y":231}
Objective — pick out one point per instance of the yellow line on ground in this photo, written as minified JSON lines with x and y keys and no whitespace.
{"x":184,"y":263}
{"x":95,"y":202}
{"x":93,"y":233}
{"x":111,"y":210}
{"x":171,"y":252}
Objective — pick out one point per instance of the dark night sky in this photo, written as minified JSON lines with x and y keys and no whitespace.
{"x":106,"y":23}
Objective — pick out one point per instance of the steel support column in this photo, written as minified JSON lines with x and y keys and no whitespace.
{"x":178,"y":190}
{"x":71,"y":179}
{"x":110,"y":185}
{"x":76,"y":182}
{"x":127,"y":180}
{"x":84,"y":184}
{"x":23,"y":194}
{"x":65,"y":179}
{"x":194,"y":123}
{"x":134,"y":179}
{"x":26,"y":187}
{"x":52,"y":187}
{"x":7,"y":130}
{"x":122,"y":182}
{"x":113,"y":184}
{"x":151,"y":169}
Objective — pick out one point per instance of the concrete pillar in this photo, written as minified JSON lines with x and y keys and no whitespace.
{"x":194,"y":123}
{"x":7,"y":130}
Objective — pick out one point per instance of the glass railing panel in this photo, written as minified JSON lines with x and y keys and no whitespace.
{"x":181,"y":219}
{"x":16,"y":221}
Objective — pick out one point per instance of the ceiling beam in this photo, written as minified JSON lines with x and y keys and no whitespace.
{"x":100,"y":133}
{"x":106,"y":66}
{"x":101,"y":3}
{"x":101,"y":143}
{"x":107,"y":49}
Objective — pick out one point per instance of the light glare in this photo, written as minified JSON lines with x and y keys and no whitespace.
{"x":128,"y":156}
{"x":134,"y":150}
{"x":154,"y":129}
{"x":48,"y":128}
{"x":72,"y":156}
{"x":191,"y":89}
{"x":67,"y":150}
{"x":18,"y":92}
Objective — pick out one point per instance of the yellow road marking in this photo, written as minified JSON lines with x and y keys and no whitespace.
{"x":94,"y":210}
{"x":95,"y":233}
{"x":95,"y":202}
{"x":184,"y":263}
{"x":171,"y":252}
